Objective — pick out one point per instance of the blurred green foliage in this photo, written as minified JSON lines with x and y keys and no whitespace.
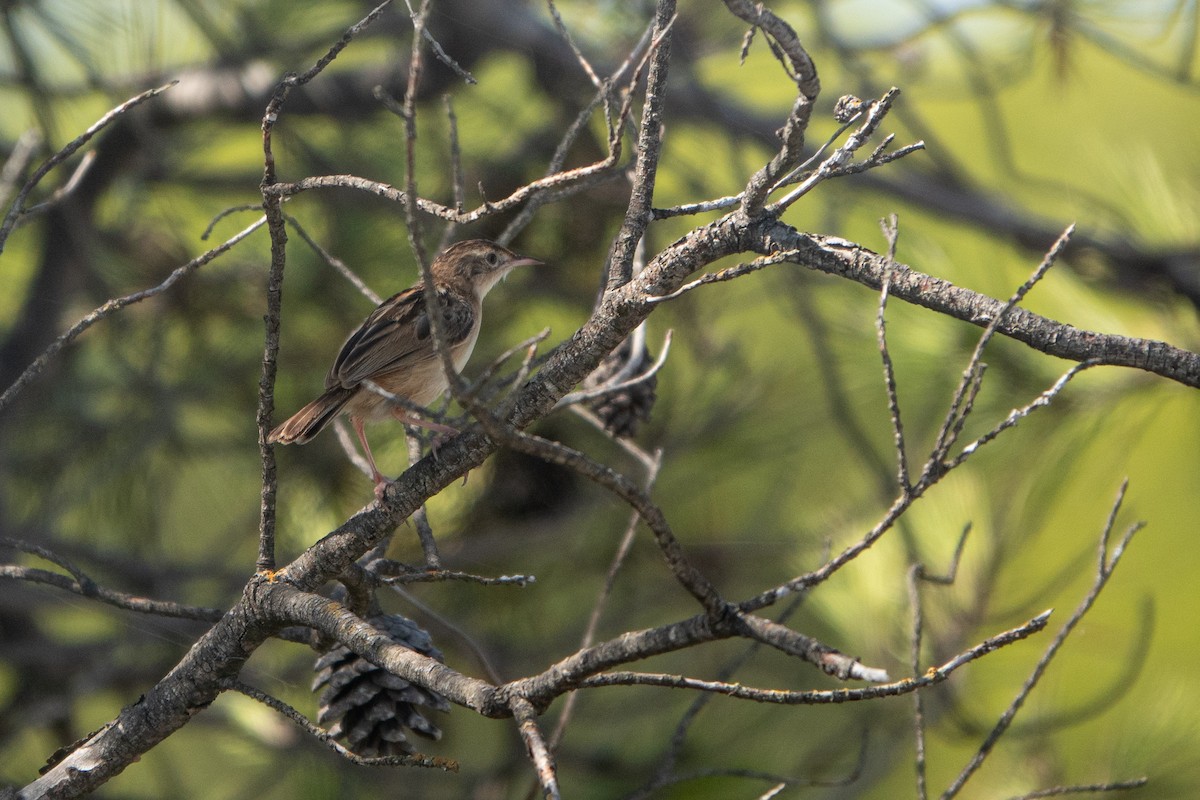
{"x":139,"y":446}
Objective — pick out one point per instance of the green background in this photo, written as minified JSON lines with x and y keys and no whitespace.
{"x":136,"y":452}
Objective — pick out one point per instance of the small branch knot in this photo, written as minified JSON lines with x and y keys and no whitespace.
{"x":847,"y":108}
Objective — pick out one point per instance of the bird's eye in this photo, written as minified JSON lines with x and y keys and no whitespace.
{"x":492,"y":258}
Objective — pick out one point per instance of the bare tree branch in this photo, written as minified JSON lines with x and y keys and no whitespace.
{"x":68,"y":150}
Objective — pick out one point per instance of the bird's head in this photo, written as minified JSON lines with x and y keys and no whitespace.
{"x":476,"y":265}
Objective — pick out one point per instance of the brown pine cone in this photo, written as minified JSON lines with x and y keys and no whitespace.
{"x":624,"y":410}
{"x":370,"y":708}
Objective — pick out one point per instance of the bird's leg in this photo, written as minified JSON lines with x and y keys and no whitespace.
{"x":377,"y":476}
{"x":417,"y":422}
{"x":441,"y":431}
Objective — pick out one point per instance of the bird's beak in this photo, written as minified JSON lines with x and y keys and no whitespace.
{"x":525,"y":262}
{"x":501,"y":273}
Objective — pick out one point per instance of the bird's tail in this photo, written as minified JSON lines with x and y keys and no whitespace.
{"x":312,"y":419}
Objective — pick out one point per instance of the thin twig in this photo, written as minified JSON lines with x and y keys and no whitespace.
{"x":535,"y":745}
{"x":17,"y":162}
{"x":347,"y":37}
{"x":1107,"y":561}
{"x":523,"y":217}
{"x":338,"y":265}
{"x":838,"y":159}
{"x":972,"y":374}
{"x":394,"y":573}
{"x":700,"y":207}
{"x":555,"y":452}
{"x":82,"y":584}
{"x":276,"y":225}
{"x":518,"y":380}
{"x":649,"y":146}
{"x":439,"y":51}
{"x":1016,"y":415}
{"x":113,"y":306}
{"x":620,"y":384}
{"x":420,"y":517}
{"x":727,"y":274}
{"x":64,"y":191}
{"x":212,"y":223}
{"x":408,"y":114}
{"x":729,"y":201}
{"x":914,"y":666}
{"x":457,"y":178}
{"x":560,"y":185}
{"x":917,"y":574}
{"x":831,"y":661}
{"x":69,"y":149}
{"x":323,"y":736}
{"x":570,"y":40}
{"x":490,"y":370}
{"x":930,"y":677}
{"x":467,"y":639}
{"x":402,"y":402}
{"x":129,"y":602}
{"x":602,"y":597}
{"x":624,"y":442}
{"x":891,"y":230}
{"x":86,"y":584}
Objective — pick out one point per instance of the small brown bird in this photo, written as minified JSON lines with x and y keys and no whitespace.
{"x":394,"y":349}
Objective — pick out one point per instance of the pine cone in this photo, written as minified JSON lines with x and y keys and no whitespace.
{"x":370,"y":708}
{"x":624,"y":410}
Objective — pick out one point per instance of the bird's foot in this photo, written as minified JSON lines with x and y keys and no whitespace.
{"x":439,"y":438}
{"x":381,"y":481}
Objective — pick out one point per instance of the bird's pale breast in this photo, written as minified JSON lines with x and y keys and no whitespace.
{"x":420,"y":381}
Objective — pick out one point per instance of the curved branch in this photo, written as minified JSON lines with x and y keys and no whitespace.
{"x":804,"y":72}
{"x":839,"y":257}
{"x":17,"y":209}
{"x":167,"y":706}
{"x":932,"y":676}
{"x":129,"y":602}
{"x":285,"y":605}
{"x":560,"y":184}
{"x":321,"y":735}
{"x":115,"y":305}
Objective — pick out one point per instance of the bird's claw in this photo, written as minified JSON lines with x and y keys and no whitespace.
{"x":381,"y":485}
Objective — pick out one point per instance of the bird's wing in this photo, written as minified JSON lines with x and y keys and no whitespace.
{"x":396,"y":332}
